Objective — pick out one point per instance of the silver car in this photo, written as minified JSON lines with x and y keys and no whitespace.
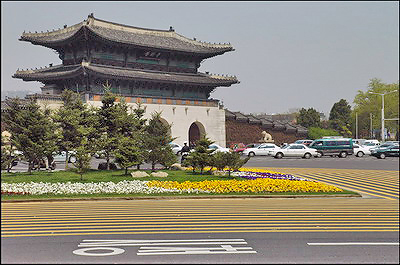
{"x":295,"y":150}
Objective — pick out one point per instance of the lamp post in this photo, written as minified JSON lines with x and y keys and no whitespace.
{"x":383,"y":113}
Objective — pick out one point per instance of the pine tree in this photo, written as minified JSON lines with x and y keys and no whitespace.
{"x":201,"y":156}
{"x":157,"y":140}
{"x":340,"y":117}
{"x":32,"y":131}
{"x":69,"y":117}
{"x":130,"y":151}
{"x":108,"y":126}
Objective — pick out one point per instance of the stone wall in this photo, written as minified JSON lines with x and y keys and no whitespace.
{"x":244,"y":132}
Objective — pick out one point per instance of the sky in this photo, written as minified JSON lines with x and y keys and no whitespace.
{"x":288,"y":55}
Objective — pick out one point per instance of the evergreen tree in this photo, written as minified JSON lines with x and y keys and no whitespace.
{"x":69,"y":117}
{"x":201,"y":156}
{"x":309,"y":118}
{"x":157,"y":141}
{"x":128,"y":153}
{"x":340,"y":118}
{"x":108,"y":126}
{"x":32,"y":131}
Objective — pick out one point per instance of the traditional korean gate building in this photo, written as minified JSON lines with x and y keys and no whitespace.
{"x":158,"y":68}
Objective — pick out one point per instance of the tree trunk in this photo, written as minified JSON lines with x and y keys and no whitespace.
{"x":30,"y":167}
{"x":126,"y":171}
{"x":108,"y":162}
{"x":138,"y":166}
{"x":153,"y":165}
{"x":66,"y":160}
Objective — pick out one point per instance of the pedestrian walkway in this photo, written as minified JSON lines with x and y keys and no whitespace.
{"x":258,"y":215}
{"x":376,"y":183}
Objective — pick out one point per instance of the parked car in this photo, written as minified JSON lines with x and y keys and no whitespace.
{"x":392,"y":142}
{"x":305,"y":142}
{"x":218,"y":148}
{"x":384,"y":145}
{"x":252,"y":145}
{"x":295,"y":150}
{"x":372,"y":141}
{"x":384,"y":151}
{"x":237,"y":147}
{"x":333,"y":146}
{"x":61,"y":157}
{"x":261,"y":150}
{"x":176,"y":148}
{"x":372,"y":145}
{"x":359,"y":141}
{"x":361,"y":150}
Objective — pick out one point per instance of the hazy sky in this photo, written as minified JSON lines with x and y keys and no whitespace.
{"x":287,"y":54}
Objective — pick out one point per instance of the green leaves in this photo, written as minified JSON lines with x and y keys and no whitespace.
{"x":32,"y":130}
{"x":309,"y":118}
{"x":157,"y":138}
{"x":369,"y":105}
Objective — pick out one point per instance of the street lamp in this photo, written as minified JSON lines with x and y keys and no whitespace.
{"x":383,"y":113}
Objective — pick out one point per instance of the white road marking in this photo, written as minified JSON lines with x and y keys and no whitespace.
{"x":163,"y":247}
{"x":224,"y":249}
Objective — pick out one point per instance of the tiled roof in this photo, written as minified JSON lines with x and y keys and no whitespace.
{"x":266,"y":123}
{"x":253,"y":119}
{"x":109,"y":31}
{"x":241,"y":117}
{"x":229,"y":115}
{"x":60,"y":72}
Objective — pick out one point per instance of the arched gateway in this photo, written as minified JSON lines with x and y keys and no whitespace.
{"x":196,"y":131}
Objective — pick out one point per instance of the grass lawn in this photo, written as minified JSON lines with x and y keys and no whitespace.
{"x":117,"y":176}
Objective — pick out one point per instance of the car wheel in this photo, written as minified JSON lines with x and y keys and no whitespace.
{"x":382,"y":156}
{"x":53,"y":166}
{"x":307,"y":155}
{"x":72,"y":159}
{"x":360,"y":154}
{"x":342,"y":154}
{"x":319,"y":154}
{"x":279,"y":155}
{"x":252,"y":154}
{"x":178,"y":153}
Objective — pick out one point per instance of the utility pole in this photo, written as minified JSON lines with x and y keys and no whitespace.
{"x":383,"y":113}
{"x":356,"y":125}
{"x":370,"y":125}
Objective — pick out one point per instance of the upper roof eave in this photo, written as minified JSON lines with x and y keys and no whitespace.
{"x":128,"y":35}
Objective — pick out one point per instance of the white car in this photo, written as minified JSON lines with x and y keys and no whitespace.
{"x":218,"y":148}
{"x":295,"y":150}
{"x":361,"y":150}
{"x":60,"y":158}
{"x":176,"y":148}
{"x":261,"y":150}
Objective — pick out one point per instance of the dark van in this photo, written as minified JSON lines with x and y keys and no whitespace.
{"x":341,"y":147}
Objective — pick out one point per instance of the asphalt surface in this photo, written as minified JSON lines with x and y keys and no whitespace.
{"x":350,"y":162}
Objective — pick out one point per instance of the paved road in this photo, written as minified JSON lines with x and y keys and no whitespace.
{"x":260,"y":230}
{"x":189,"y":231}
{"x":350,"y":162}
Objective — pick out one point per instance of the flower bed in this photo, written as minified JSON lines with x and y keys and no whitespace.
{"x":122,"y":187}
{"x":254,"y":181}
{"x":252,"y":185}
